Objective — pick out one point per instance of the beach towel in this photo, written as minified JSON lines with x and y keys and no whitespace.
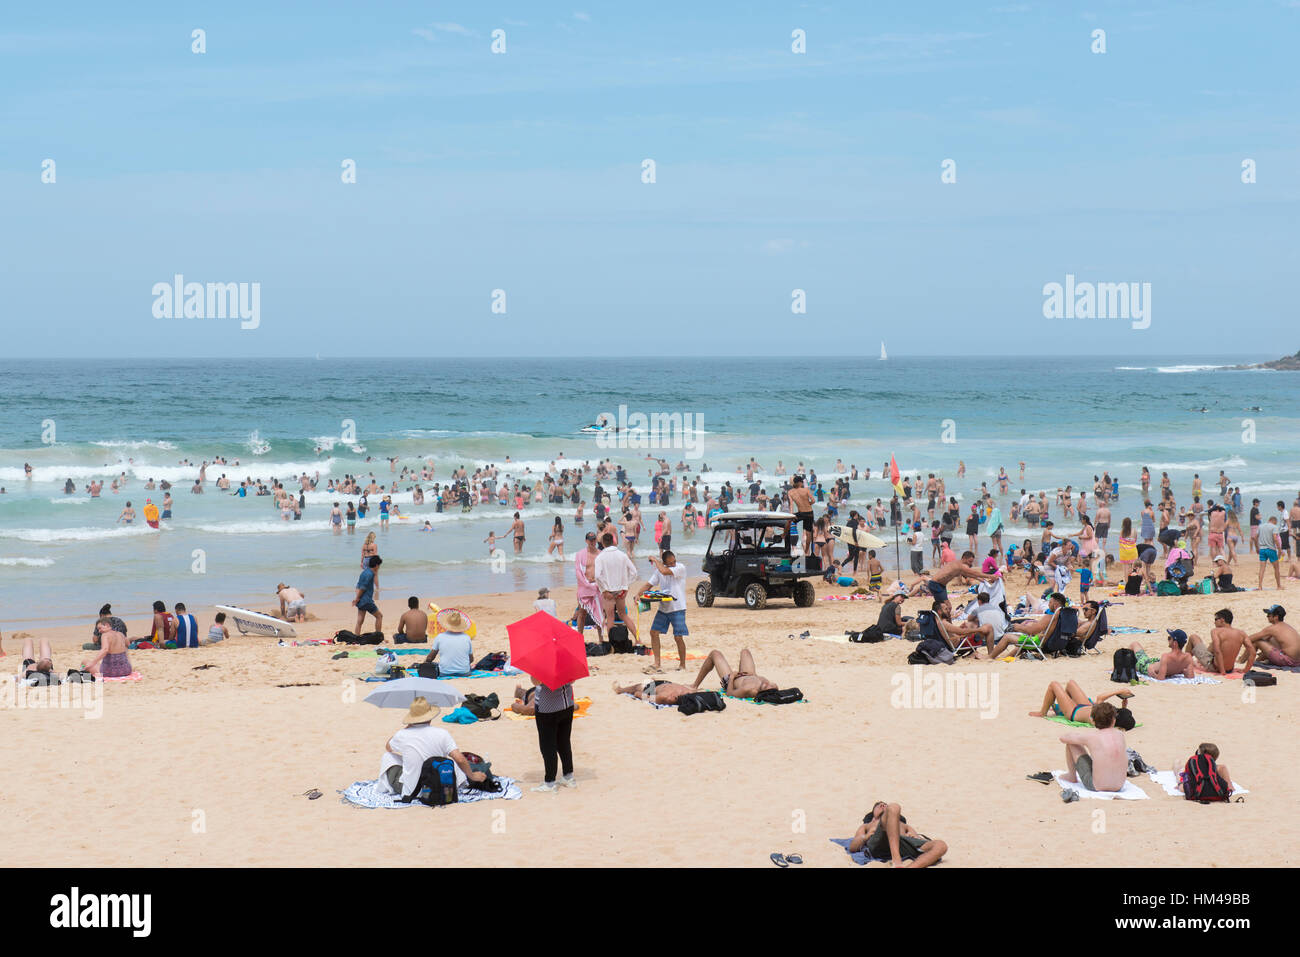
{"x":859,"y":857}
{"x":653,"y":704}
{"x":846,"y":597}
{"x":1294,"y":669}
{"x":580,"y":706}
{"x":1200,"y":679}
{"x":1130,"y":630}
{"x":460,"y":716}
{"x":367,"y":794}
{"x":1061,"y":719}
{"x":1169,"y":781}
{"x":753,"y":701}
{"x":133,"y":676}
{"x":1129,"y":792}
{"x":387,"y":651}
{"x":588,"y":594}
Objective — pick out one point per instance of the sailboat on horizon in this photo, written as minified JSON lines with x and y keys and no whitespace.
{"x":883,"y":355}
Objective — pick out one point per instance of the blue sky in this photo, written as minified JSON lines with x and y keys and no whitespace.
{"x":775,"y":171}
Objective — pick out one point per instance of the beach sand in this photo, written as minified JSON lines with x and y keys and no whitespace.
{"x":208,"y":767}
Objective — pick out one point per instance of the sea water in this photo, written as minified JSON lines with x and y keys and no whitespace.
{"x":62,"y":556}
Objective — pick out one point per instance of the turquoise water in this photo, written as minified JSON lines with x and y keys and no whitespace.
{"x":62,"y":556}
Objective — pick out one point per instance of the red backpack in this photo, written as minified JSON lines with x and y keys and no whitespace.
{"x":1202,"y":781}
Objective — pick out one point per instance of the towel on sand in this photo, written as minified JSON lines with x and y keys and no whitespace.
{"x":1061,"y":719}
{"x":859,"y":857}
{"x":580,"y":706}
{"x":1180,"y":680}
{"x":133,"y":676}
{"x":652,"y":704}
{"x":1169,"y":781}
{"x":1129,"y":792}
{"x":367,"y":794}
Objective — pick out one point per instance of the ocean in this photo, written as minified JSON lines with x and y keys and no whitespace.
{"x":62,"y":556}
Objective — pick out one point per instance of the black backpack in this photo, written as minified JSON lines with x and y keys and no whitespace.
{"x":1124,"y":666}
{"x":438,"y":776}
{"x":782,"y":696}
{"x":931,"y":651}
{"x":493,"y":662}
{"x":482,"y":706}
{"x":700,"y":702}
{"x":870,"y":635}
{"x":619,"y":642}
{"x":597,"y":649}
{"x":1201,"y":780}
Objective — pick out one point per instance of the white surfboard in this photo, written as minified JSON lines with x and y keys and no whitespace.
{"x":255,"y":623}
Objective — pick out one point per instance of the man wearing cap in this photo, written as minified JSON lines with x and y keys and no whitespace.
{"x":1175,"y":662}
{"x":1268,"y":550}
{"x":293,"y":603}
{"x":589,"y":603}
{"x":545,"y":602}
{"x":408,"y":749}
{"x":1277,"y":643}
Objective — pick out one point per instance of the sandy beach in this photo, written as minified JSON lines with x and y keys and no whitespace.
{"x":207,"y":767}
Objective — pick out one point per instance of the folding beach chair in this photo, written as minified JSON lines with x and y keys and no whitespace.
{"x":1098,"y":633}
{"x":1053,"y":639}
{"x":967,"y":644}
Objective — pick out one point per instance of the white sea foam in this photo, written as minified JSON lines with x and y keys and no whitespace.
{"x":140,"y":444}
{"x":75,"y":534}
{"x":1188,"y":368}
{"x":27,"y":562}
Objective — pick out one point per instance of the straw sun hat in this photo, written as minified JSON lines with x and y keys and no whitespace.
{"x":421,"y":712}
{"x":453,"y":621}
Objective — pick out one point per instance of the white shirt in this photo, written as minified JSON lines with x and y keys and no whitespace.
{"x":547,"y":605}
{"x":674,"y":583}
{"x":614,"y":570}
{"x":416,"y":745}
{"x":991,"y":614}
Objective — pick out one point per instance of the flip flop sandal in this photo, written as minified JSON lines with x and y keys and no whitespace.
{"x":793,"y":859}
{"x":1069,"y":796}
{"x":312,"y":795}
{"x":341,"y":654}
{"x":778,"y":859}
{"x":1042,"y":777}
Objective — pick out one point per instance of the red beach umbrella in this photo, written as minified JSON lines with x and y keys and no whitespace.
{"x":547,"y":649}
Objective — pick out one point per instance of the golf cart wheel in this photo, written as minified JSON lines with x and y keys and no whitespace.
{"x":704,"y":594}
{"x":755,"y":597}
{"x":804,"y":594}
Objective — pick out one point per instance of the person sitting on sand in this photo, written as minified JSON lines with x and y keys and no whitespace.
{"x":164,"y":626}
{"x":1277,"y":643}
{"x":1070,"y":702}
{"x":658,"y":692}
{"x":1219,"y":654}
{"x":1174,"y":662}
{"x":38,"y":671}
{"x":1097,"y":758}
{"x":413,"y":626}
{"x":885,"y":833}
{"x":407,"y":750}
{"x":112,"y":660}
{"x":741,"y":683}
{"x":456,"y":647}
{"x":523,"y":703}
{"x":891,"y":620}
{"x":1211,"y":749}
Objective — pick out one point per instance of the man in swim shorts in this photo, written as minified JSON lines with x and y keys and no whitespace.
{"x":885,"y":835}
{"x":658,"y":692}
{"x":739,"y":683}
{"x":1277,"y":643}
{"x":1268,"y":551}
{"x":801,"y":501}
{"x":365,"y":597}
{"x":1171,"y":664}
{"x":1097,"y":759}
{"x":1219,"y":654}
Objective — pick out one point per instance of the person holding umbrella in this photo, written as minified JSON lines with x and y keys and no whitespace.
{"x":554,"y":655}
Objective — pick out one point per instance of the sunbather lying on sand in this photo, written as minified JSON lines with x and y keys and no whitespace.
{"x":739,"y":683}
{"x":1072,"y":703}
{"x":39,"y":670}
{"x":659,"y":692}
{"x":885,"y":832}
{"x":523,"y":703}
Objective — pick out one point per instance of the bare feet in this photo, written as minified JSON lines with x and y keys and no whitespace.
{"x":1038,"y":714}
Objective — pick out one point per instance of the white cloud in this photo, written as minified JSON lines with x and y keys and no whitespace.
{"x":429,"y":34}
{"x":584,"y":17}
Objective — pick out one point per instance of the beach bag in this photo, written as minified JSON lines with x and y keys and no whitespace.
{"x":1124,"y":666}
{"x":437,"y":784}
{"x":931,"y":651}
{"x":872,"y":634}
{"x":701,"y":701}
{"x":1207,"y":586}
{"x":619,"y":642}
{"x":1168,"y":588}
{"x":482,"y":706}
{"x":927,"y":627}
{"x":782,"y":696}
{"x":1201,"y":780}
{"x":427,"y":669}
{"x":1260,"y":679}
{"x":597,"y":649}
{"x":493,"y":662}
{"x":395,"y":672}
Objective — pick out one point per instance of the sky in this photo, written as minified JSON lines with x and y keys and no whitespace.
{"x":774,"y":171}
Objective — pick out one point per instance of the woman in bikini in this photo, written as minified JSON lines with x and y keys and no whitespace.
{"x":557,"y":538}
{"x":370,"y":548}
{"x":821,"y":535}
{"x":1072,"y":704}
